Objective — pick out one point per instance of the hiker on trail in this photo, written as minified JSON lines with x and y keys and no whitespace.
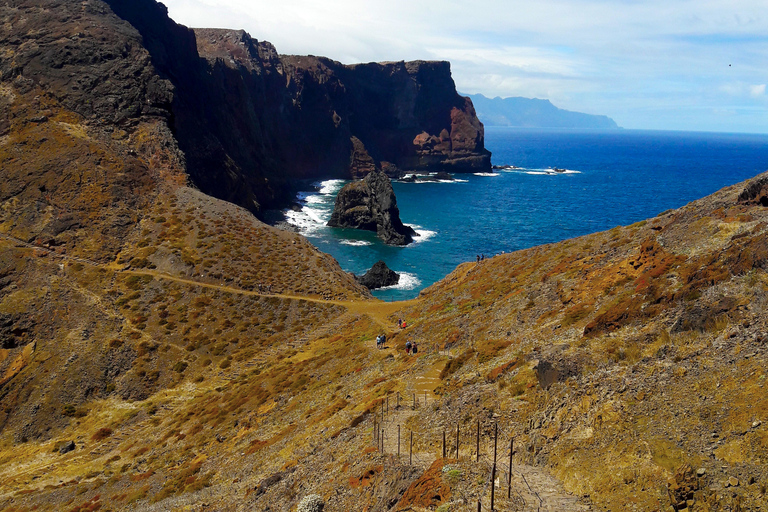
{"x":403,"y":325}
{"x":378,"y":341}
{"x":478,"y":258}
{"x":400,"y":322}
{"x":408,"y":347}
{"x":482,"y":257}
{"x":414,"y":347}
{"x":383,"y":339}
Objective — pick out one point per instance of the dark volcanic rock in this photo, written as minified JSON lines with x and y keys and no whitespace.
{"x":251,"y":122}
{"x":379,"y":276}
{"x":370,"y":204}
{"x":67,"y":447}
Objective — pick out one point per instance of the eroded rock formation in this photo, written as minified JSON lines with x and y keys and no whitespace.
{"x":370,"y":204}
{"x":251,"y":121}
{"x":379,"y":276}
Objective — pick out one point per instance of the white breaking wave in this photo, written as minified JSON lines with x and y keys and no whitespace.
{"x":424,"y":234}
{"x":489,"y":174}
{"x":407,"y":282}
{"x":307,"y":220}
{"x":551,"y":172}
{"x":315,"y":199}
{"x":355,"y":243}
{"x":329,"y":187}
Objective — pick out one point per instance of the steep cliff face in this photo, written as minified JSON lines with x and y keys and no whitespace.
{"x":251,"y":122}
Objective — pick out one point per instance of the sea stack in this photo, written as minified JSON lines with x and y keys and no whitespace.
{"x":370,"y":204}
{"x":378,"y":276}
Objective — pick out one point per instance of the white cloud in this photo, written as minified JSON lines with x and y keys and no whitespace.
{"x":616,"y":57}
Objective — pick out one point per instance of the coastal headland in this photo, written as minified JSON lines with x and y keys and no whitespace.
{"x":161,"y":348}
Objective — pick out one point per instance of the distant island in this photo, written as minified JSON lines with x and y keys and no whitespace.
{"x":534,"y":113}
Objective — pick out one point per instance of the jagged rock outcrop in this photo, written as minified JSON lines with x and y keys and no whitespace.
{"x":370,"y":204}
{"x":251,"y":122}
{"x":379,"y":276}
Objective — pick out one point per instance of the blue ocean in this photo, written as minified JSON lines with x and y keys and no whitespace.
{"x":609,"y":179}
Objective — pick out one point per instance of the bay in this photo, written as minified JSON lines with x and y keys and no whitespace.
{"x":612,"y":178}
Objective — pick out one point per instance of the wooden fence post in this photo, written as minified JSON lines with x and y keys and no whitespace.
{"x":443,"y":443}
{"x":398,"y":443}
{"x":414,"y":400}
{"x":478,"y":441}
{"x":509,"y":482}
{"x":495,"y":441}
{"x":382,"y":440}
{"x":457,"y":441}
{"x":493,"y":485}
{"x":410,"y":460}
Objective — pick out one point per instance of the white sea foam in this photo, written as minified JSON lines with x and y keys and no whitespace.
{"x":407,"y":282}
{"x":330,"y":186}
{"x":355,"y":243}
{"x":424,"y":234}
{"x":550,"y":171}
{"x":307,"y":220}
{"x":489,"y":174}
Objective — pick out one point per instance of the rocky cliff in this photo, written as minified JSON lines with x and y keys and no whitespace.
{"x":370,"y":204}
{"x":250,"y":122}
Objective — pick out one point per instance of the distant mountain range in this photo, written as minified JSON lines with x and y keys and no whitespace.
{"x":534,"y":113}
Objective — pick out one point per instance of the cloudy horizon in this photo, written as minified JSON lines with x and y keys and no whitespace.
{"x":648,"y":65}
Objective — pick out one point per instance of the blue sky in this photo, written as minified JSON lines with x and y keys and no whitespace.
{"x":648,"y":64}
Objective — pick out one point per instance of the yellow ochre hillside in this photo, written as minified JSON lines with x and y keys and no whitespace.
{"x":219,"y":363}
{"x":163,"y":350}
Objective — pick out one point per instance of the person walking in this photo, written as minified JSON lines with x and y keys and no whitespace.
{"x":408,"y":347}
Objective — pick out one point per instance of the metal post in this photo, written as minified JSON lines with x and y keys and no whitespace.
{"x":414,"y":400}
{"x":425,"y":398}
{"x":479,"y":506}
{"x":387,"y":405}
{"x":509,"y":482}
{"x":398,"y":444}
{"x":382,"y":440}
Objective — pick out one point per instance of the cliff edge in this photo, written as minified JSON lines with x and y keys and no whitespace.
{"x":251,"y":122}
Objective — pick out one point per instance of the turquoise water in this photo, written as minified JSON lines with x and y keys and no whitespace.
{"x":614,"y":178}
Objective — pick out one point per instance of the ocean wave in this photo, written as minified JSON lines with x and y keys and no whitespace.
{"x":550,"y":171}
{"x":329,"y":187}
{"x":407,"y":281}
{"x":355,"y":243}
{"x":307,"y":220}
{"x":489,"y":174}
{"x":316,"y":199}
{"x":424,"y":234}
